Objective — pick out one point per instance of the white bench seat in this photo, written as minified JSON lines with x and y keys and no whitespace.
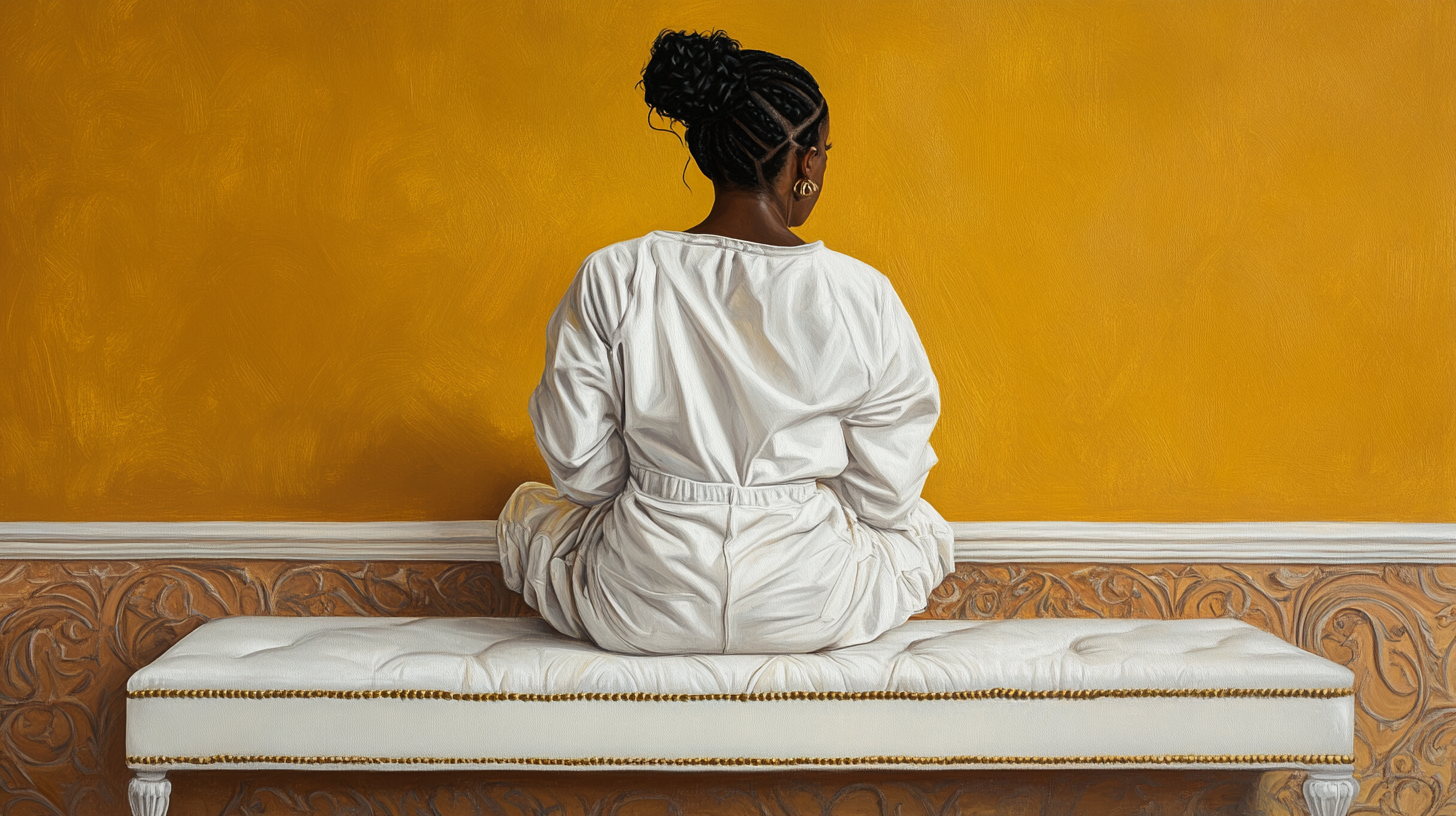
{"x":490,"y":693}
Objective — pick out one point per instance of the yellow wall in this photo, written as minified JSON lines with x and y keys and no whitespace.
{"x":1172,"y":261}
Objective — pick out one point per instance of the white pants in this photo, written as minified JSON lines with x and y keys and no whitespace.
{"x":673,"y":566}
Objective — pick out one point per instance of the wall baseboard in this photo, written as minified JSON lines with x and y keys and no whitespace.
{"x":1312,"y":542}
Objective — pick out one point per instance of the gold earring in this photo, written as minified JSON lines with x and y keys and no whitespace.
{"x":804,"y":188}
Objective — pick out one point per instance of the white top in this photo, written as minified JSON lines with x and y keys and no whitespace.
{"x":758,"y":365}
{"x":749,"y":426}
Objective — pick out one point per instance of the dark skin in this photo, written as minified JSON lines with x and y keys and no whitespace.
{"x":766,"y":216}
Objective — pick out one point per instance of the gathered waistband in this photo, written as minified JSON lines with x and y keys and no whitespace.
{"x":673,"y":488}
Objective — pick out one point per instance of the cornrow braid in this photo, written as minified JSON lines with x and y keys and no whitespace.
{"x":746,"y":112}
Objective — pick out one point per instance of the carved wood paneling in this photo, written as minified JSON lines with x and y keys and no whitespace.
{"x":1391,"y":624}
{"x":72,"y":632}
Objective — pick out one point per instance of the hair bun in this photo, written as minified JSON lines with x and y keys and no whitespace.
{"x":694,"y":78}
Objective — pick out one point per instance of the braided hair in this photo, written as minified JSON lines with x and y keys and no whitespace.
{"x":745,"y":111}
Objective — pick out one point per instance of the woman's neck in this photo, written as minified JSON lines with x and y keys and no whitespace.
{"x":748,"y":215}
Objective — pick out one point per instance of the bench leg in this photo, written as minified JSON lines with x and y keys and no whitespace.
{"x":148,"y":793}
{"x":1330,"y":793}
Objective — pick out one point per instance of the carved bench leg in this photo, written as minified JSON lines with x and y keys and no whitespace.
{"x":1330,"y":793}
{"x":148,"y":793}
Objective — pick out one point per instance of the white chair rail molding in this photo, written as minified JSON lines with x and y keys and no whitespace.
{"x":981,"y":542}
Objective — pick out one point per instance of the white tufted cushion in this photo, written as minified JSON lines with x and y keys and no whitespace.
{"x":481,"y":658}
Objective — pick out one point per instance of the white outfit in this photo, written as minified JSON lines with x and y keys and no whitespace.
{"x":738,"y":435}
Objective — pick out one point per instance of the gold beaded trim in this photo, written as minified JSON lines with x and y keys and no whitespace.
{"x":773,"y":696}
{"x":737,"y":762}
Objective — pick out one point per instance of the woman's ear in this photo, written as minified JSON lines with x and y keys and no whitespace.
{"x":806,"y":162}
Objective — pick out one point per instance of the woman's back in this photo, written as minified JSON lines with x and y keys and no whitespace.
{"x":750,"y":352}
{"x":730,"y":362}
{"x":749,"y":426}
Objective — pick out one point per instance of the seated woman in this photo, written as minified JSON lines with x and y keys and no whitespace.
{"x":736,"y":421}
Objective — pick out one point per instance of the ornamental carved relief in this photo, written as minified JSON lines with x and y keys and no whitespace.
{"x":72,"y":632}
{"x":1391,"y":624}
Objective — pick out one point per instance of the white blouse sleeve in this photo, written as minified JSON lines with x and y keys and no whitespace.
{"x":888,"y":434}
{"x":577,"y":407}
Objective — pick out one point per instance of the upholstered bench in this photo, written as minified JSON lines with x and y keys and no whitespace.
{"x":493,"y":693}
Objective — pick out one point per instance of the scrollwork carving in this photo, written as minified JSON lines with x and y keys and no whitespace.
{"x":1390,"y":624}
{"x":72,"y":632}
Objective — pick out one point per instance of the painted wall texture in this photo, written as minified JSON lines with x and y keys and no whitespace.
{"x":1172,"y":261}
